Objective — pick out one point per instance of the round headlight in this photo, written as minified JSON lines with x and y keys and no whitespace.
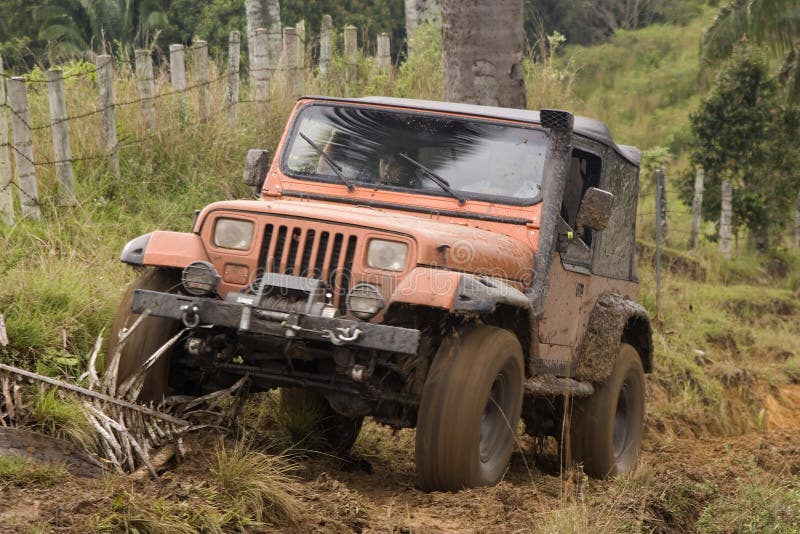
{"x":364,"y":301}
{"x":233,"y":233}
{"x":200,"y":278}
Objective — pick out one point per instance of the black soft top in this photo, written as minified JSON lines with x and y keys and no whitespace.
{"x":584,"y":126}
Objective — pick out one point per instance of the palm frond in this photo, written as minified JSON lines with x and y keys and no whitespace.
{"x":775,"y":23}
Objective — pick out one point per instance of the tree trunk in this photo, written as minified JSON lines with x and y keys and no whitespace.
{"x":482,"y":47}
{"x":264,"y":14}
{"x":725,"y":220}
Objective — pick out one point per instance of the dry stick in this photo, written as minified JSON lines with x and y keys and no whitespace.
{"x":147,"y":89}
{"x":112,"y":370}
{"x":697,"y":206}
{"x":62,"y":151}
{"x":325,"y":46}
{"x":201,"y":79}
{"x":91,"y":372}
{"x":23,"y":145}
{"x":6,"y":193}
{"x":105,"y":87}
{"x":232,"y":96}
{"x":94,"y":394}
{"x":128,"y":438}
{"x":131,"y":388}
{"x":9,"y":401}
{"x":105,"y":442}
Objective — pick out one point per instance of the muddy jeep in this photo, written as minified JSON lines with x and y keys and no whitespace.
{"x":449,"y":267}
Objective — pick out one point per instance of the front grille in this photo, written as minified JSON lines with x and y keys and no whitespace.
{"x":321,"y":252}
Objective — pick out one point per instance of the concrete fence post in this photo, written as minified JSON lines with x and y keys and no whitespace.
{"x":725,"y":221}
{"x":202,"y":79}
{"x":325,"y":45}
{"x":260,"y":74}
{"x":232,"y":96}
{"x":60,"y":129}
{"x":105,"y":86}
{"x":147,"y":88}
{"x":351,"y":52}
{"x":23,"y":148}
{"x":290,"y":45}
{"x":177,"y":67}
{"x":797,"y":221}
{"x":300,"y":28}
{"x":697,"y":206}
{"x":384,"y":51}
{"x":6,"y":180}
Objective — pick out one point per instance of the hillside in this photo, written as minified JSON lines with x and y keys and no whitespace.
{"x":721,"y":451}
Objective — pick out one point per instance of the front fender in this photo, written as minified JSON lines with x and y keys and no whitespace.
{"x":164,"y":249}
{"x":457,"y":292}
{"x":614,"y":319}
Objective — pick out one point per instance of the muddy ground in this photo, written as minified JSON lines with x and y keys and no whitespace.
{"x":375,"y":491}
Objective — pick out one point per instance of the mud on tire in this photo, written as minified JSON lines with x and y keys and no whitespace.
{"x":148,"y":337}
{"x":606,"y":429}
{"x":470,"y":410}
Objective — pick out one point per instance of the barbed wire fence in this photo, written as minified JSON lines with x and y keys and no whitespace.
{"x":284,"y":72}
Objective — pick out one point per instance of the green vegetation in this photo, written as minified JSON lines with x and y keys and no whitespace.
{"x":23,"y":472}
{"x":743,"y":134}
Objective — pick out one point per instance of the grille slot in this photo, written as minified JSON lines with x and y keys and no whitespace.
{"x":314,"y":253}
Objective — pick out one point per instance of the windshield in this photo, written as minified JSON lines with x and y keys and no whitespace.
{"x":394,"y":149}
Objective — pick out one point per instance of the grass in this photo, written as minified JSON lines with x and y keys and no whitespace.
{"x":61,"y":418}
{"x":769,"y":504}
{"x":241,"y":489}
{"x":254,"y":488}
{"x":22,"y":472}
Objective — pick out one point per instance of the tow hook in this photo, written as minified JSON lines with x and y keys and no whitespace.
{"x":343,"y":335}
{"x":190,"y":315}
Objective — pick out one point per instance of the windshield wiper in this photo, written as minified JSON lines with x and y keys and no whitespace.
{"x":435,"y":178}
{"x":335,"y":167}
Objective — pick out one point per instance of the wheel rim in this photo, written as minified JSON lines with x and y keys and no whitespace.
{"x":622,"y":423}
{"x":494,"y":423}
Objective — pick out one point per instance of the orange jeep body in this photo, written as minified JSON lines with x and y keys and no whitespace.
{"x":567,"y":293}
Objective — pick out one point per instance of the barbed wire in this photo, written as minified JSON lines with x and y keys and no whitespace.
{"x":115,"y":104}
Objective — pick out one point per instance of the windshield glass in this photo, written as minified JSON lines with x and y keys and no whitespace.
{"x":375,"y":148}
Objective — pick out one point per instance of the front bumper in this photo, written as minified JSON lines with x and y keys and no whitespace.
{"x":201,"y":311}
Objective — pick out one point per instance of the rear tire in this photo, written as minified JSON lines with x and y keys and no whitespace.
{"x":148,"y":337}
{"x":606,"y":429}
{"x":470,"y":410}
{"x":311,"y":415}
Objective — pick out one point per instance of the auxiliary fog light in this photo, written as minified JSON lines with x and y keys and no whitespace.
{"x":199,"y":278}
{"x":364,"y":301}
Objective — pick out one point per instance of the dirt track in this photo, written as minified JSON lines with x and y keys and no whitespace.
{"x":377,"y":492}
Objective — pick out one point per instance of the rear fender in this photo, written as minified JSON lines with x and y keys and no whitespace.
{"x":164,"y":249}
{"x":615,"y":319}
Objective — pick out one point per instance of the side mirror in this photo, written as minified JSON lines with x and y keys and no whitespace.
{"x":256,"y":166}
{"x":595,"y":209}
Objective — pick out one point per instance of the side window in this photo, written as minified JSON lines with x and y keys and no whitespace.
{"x":584,"y":172}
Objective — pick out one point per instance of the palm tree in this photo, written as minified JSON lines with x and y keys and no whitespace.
{"x":775,"y":23}
{"x":127,"y":22}
{"x":482,"y":45}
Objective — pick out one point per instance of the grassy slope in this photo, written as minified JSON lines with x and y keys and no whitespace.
{"x":61,"y":278}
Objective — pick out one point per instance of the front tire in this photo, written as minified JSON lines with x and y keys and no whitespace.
{"x":148,"y":336}
{"x":470,"y":410}
{"x":308,"y":416}
{"x":606,"y":429}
